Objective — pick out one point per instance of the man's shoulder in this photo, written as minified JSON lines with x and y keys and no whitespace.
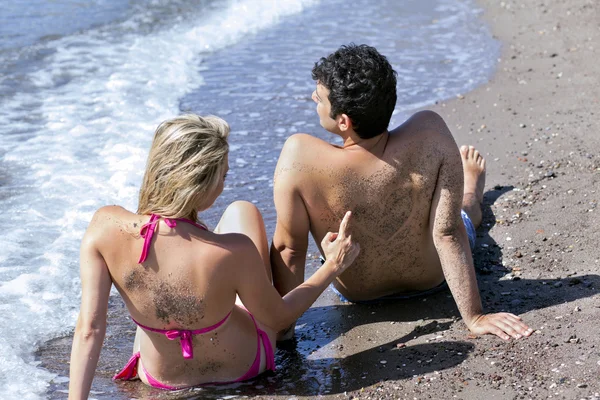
{"x":428,"y":117}
{"x":301,"y":143}
{"x":302,"y":160}
{"x":425,"y":130}
{"x":426,"y":122}
{"x":304,"y":149}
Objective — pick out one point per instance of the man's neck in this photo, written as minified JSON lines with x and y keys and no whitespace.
{"x":353,"y":141}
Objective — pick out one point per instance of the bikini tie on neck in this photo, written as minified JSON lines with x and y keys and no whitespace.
{"x":147,"y":232}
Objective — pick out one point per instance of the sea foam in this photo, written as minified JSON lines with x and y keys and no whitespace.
{"x":78,"y":140}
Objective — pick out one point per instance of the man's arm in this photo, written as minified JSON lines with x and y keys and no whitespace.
{"x":262,"y":300}
{"x":452,"y":244}
{"x":290,"y":242}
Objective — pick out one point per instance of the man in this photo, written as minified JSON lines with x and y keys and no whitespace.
{"x":415,"y":204}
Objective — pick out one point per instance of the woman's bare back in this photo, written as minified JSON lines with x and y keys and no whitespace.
{"x":182,"y":284}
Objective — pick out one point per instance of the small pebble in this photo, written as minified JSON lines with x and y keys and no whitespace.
{"x":572,"y":339}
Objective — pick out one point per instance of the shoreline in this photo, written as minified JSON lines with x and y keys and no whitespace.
{"x":536,"y":255}
{"x":539,"y":190}
{"x":534,"y":122}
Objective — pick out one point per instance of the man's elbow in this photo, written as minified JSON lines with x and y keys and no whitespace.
{"x":289,"y":253}
{"x":283,"y":247}
{"x":446,"y":236}
{"x":288,"y":268}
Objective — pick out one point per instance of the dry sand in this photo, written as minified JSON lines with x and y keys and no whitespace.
{"x":537,"y":123}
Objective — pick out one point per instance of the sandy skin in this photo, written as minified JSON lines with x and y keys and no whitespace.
{"x":431,"y":355}
{"x":416,"y":241}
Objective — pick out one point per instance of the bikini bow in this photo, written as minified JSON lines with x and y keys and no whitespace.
{"x":187,"y":348}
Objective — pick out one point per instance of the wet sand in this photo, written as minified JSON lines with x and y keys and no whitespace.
{"x":537,"y":123}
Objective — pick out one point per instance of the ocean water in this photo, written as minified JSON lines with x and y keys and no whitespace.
{"x":83,"y":84}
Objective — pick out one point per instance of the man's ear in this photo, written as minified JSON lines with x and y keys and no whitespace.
{"x":344,"y":122}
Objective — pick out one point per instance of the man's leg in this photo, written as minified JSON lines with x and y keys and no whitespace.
{"x":474,"y":174}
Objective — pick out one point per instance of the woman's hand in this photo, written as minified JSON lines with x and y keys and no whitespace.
{"x":338,"y":248}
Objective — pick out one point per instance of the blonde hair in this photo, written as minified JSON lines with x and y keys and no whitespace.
{"x":185,"y":165}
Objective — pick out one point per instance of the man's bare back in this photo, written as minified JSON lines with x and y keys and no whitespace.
{"x":389,"y":189}
{"x":405,"y":189}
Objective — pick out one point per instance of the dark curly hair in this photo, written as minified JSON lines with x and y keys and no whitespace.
{"x":362,"y":85}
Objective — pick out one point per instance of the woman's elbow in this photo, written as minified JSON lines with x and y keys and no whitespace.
{"x":90,"y":330}
{"x":87,"y":335}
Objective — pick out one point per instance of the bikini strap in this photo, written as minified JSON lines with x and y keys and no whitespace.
{"x":184,"y":335}
{"x":197,"y":225}
{"x":147,"y":231}
{"x":130,"y":370}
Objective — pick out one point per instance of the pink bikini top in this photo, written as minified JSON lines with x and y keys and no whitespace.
{"x":184,"y":335}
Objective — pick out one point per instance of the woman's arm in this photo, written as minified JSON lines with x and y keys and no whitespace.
{"x":267,"y":305}
{"x":91,"y":324}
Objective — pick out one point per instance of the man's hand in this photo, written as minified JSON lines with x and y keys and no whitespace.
{"x":503,"y":325}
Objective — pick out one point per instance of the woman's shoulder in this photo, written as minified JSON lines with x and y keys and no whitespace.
{"x":105,"y":211}
{"x":110,"y":214}
{"x":110,"y":220}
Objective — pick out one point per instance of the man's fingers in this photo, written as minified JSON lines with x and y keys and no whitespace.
{"x":511,"y":316}
{"x":344,"y":224}
{"x":503,"y":325}
{"x":516,"y":323}
{"x":508,"y":328}
{"x":520,"y":327}
{"x":512,"y":319}
{"x":513,"y":326}
{"x":498,"y":332}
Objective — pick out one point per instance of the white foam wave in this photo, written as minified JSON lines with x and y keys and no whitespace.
{"x":94,"y":109}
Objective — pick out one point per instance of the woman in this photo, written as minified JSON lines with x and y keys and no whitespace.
{"x":203,"y":301}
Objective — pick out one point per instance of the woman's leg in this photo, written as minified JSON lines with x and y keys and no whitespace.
{"x":243,"y":217}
